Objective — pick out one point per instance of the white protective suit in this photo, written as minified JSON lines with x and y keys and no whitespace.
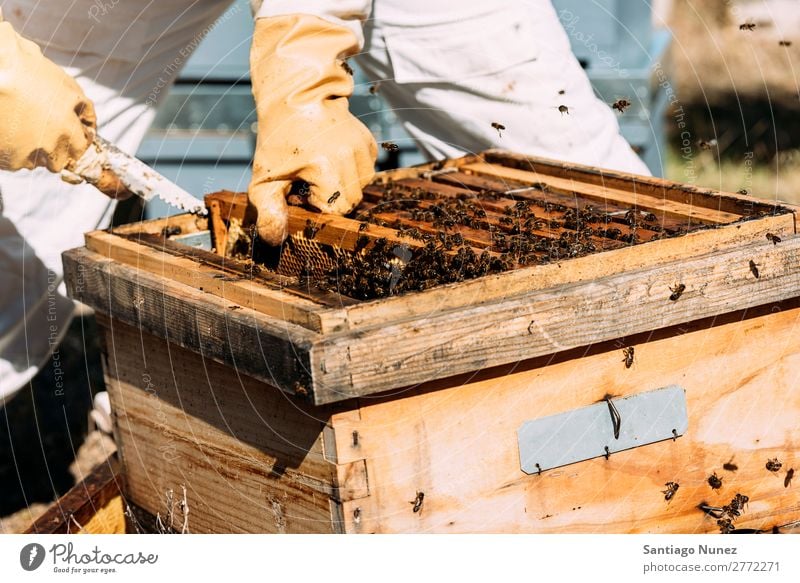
{"x":449,"y":68}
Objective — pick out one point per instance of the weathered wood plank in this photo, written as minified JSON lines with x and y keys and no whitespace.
{"x":451,"y":342}
{"x":646,"y":185}
{"x":276,"y":352}
{"x":266,"y":297}
{"x":93,"y":506}
{"x":602,"y":193}
{"x":249,"y":460}
{"x":456,"y":440}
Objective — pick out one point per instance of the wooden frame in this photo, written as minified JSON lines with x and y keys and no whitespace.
{"x":331,"y":348}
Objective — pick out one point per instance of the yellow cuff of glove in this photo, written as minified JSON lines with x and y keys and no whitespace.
{"x":47,"y":120}
{"x":305,"y":130}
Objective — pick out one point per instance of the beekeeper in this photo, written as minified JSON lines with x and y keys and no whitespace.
{"x":449,"y":68}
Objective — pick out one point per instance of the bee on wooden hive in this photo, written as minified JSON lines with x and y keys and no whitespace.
{"x":787,"y":481}
{"x":747,"y":26}
{"x":774,"y":238}
{"x":333,"y":197}
{"x":390,"y":146}
{"x":347,"y":68}
{"x":784,"y":43}
{"x":715,"y":481}
{"x":774,"y":465}
{"x":563,"y":109}
{"x":374,"y":88}
{"x":707,"y":144}
{"x":499,"y":127}
{"x":628,"y":360}
{"x":743,"y":191}
{"x":754,"y":269}
{"x":621,"y":105}
{"x":677,"y":291}
{"x":669,"y":493}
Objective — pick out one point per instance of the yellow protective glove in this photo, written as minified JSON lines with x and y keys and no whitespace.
{"x":46,"y":119}
{"x":305,"y":130}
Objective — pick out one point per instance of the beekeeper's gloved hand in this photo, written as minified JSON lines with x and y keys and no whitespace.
{"x":305,"y":130}
{"x":45,"y":119}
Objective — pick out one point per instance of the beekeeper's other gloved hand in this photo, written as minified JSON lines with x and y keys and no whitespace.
{"x":305,"y":130}
{"x":45,"y":119}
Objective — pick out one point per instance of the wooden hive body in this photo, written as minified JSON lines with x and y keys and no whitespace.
{"x":284,"y":408}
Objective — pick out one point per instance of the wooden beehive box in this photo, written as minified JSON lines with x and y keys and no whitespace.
{"x":286,"y":408}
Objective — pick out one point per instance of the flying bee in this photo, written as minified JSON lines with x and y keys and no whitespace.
{"x":774,"y":465}
{"x":417,"y":502}
{"x":754,"y":269}
{"x":787,"y":481}
{"x":563,"y":109}
{"x":374,"y":88}
{"x":730,"y":466}
{"x":628,"y":360}
{"x":672,"y":488}
{"x":347,"y":68}
{"x":499,"y":127}
{"x":390,"y":146}
{"x":707,"y":144}
{"x":677,"y":291}
{"x":784,"y":43}
{"x":561,"y":92}
{"x":774,"y":238}
{"x":715,"y":481}
{"x":621,"y":105}
{"x":747,"y":26}
{"x":334,"y":196}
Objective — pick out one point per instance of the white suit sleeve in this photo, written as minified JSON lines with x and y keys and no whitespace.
{"x":348,"y":13}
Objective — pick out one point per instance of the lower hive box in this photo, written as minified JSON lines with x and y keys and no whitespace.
{"x":496,"y":343}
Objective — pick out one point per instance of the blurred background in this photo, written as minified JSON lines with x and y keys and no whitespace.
{"x":714,"y":103}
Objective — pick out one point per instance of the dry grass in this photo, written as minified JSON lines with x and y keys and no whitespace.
{"x":777,"y":180}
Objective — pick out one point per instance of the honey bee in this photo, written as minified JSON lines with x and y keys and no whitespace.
{"x":333,"y":197}
{"x":417,"y":502}
{"x":743,"y":191}
{"x":774,"y":465}
{"x":563,"y":109}
{"x":390,"y":146}
{"x":715,"y":481}
{"x":374,"y":88}
{"x":499,"y":127}
{"x":672,"y":488}
{"x":561,"y":92}
{"x":621,"y":105}
{"x":774,"y":238}
{"x":362,"y":227}
{"x":347,"y":68}
{"x":747,"y":26}
{"x":730,"y":466}
{"x":707,"y":144}
{"x":787,"y":481}
{"x":754,"y":269}
{"x":677,"y":291}
{"x":628,"y":360}
{"x":784,"y":43}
